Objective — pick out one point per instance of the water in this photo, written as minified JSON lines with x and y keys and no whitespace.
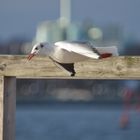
{"x":45,"y":122}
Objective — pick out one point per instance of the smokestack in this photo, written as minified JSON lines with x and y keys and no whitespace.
{"x":65,"y":11}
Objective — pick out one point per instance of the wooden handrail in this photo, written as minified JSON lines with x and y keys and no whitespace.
{"x":15,"y":66}
{"x":122,"y":67}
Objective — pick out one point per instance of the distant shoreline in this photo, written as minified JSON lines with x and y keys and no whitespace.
{"x":53,"y":102}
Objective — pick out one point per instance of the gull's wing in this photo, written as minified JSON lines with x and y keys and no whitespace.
{"x":84,"y":48}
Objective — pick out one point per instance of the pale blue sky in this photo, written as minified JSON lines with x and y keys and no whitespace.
{"x":18,"y":17}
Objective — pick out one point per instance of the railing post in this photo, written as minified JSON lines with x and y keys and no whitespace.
{"x":7,"y":107}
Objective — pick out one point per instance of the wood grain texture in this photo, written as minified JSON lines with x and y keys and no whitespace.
{"x":7,"y":107}
{"x":122,"y":67}
{"x":1,"y":106}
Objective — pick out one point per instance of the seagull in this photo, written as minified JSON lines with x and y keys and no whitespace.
{"x":65,"y":53}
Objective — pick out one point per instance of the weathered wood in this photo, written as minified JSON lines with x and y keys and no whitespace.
{"x":123,"y":67}
{"x":7,"y":107}
{"x":1,"y":107}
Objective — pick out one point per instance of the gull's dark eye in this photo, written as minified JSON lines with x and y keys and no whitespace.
{"x":36,"y":48}
{"x":41,"y":45}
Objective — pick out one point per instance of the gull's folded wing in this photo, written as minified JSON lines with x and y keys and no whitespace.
{"x":80,"y":48}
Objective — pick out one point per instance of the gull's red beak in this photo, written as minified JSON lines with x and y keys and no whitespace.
{"x":30,"y":56}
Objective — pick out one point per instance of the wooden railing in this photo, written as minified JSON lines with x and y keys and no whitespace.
{"x":12,"y":67}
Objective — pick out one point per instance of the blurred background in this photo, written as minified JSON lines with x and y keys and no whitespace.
{"x":74,"y":109}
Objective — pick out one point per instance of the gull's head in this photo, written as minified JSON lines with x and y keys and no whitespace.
{"x":35,"y":50}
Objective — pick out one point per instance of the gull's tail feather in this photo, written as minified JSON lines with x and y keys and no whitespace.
{"x":107,"y":51}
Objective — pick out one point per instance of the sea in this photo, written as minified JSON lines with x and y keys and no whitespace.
{"x":75,"y":122}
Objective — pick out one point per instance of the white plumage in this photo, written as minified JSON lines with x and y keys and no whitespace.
{"x":64,"y":52}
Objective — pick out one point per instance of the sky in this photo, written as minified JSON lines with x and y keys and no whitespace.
{"x":20,"y":18}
